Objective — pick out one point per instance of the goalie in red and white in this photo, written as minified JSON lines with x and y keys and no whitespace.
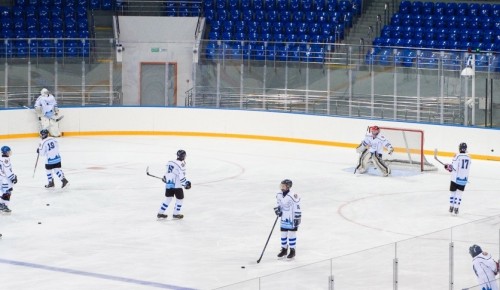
{"x":48,"y":113}
{"x":372,"y":149}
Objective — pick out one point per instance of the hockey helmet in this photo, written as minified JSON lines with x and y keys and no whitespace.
{"x":375,"y":130}
{"x":462,"y":147}
{"x":287,"y":182}
{"x":5,"y":150}
{"x":475,"y":250}
{"x":44,"y":133}
{"x":181,"y":155}
{"x":44,"y":91}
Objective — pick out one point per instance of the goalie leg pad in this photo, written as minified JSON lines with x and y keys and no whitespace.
{"x":377,"y":159}
{"x":54,"y":128}
{"x":364,"y":158}
{"x":44,"y":122}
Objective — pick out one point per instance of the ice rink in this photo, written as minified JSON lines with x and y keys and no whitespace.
{"x":102,"y":232}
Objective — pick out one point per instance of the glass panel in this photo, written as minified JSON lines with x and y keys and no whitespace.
{"x":339,"y":90}
{"x":317,"y":89}
{"x":69,"y":84}
{"x":230,"y":79}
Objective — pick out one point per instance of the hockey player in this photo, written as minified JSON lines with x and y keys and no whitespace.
{"x":289,"y":210}
{"x":49,"y":147}
{"x":175,"y":179}
{"x":48,"y":112}
{"x":459,"y":169}
{"x":372,"y":148}
{"x":484,"y":267}
{"x":8,"y":179}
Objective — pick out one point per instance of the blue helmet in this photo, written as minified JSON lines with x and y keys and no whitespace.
{"x":475,"y":250}
{"x":181,"y":155}
{"x":44,"y":133}
{"x":5,"y":150}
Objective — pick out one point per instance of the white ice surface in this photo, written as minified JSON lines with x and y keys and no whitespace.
{"x":102,"y":232}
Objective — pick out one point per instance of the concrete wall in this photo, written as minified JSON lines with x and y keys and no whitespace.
{"x":174,"y":36}
{"x":317,"y":130}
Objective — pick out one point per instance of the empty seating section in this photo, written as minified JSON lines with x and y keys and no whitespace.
{"x":441,"y":26}
{"x":47,"y":28}
{"x":294,"y":30}
{"x":186,"y":8}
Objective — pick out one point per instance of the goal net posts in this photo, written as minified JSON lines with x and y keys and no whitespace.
{"x":408,"y":148}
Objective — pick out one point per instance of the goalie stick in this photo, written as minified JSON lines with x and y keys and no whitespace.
{"x":59,"y":118}
{"x":149,"y":174}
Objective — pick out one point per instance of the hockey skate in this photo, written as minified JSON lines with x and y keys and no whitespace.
{"x":4,"y":208}
{"x":456,"y":210}
{"x":161,"y":216}
{"x":50,"y":185}
{"x":283,"y":252}
{"x":451,"y":209}
{"x":291,"y":255}
{"x":178,"y":216}
{"x":64,"y":182}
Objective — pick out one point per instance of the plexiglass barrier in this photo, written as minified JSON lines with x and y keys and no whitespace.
{"x":405,"y":84}
{"x":433,"y":261}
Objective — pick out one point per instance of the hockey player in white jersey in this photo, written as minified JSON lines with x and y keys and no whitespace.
{"x":289,"y":210}
{"x":459,"y":168}
{"x":49,"y":147}
{"x":48,"y":112}
{"x":175,"y":179}
{"x":485,"y":268}
{"x":8,"y":179}
{"x":372,"y":148}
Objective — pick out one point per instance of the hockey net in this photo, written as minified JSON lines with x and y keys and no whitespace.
{"x":408,"y":148}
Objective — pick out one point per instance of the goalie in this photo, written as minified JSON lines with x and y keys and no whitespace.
{"x":371,"y":150}
{"x":48,"y":113}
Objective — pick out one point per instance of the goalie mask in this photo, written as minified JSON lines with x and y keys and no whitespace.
{"x":374,"y":130}
{"x":44,"y":92}
{"x":475,"y":250}
{"x":462,"y":147}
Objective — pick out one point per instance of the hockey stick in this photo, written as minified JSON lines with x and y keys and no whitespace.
{"x":265,"y":246}
{"x":436,"y":158}
{"x":36,"y":163}
{"x":149,"y":174}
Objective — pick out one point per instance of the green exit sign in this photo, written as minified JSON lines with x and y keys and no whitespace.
{"x":155,"y":49}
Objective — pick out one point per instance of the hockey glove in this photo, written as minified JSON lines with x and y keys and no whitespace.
{"x":296,"y":222}
{"x":391,"y":150}
{"x":448,"y":167}
{"x":38,"y":150}
{"x":164,"y":179}
{"x":188,"y":185}
{"x":277,"y":211}
{"x":14,"y":179}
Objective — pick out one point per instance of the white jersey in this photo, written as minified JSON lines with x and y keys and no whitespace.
{"x":6,"y":174}
{"x":485,"y":268}
{"x":376,"y":144}
{"x":50,"y":149}
{"x":48,"y":105}
{"x":176,"y":174}
{"x":461,"y":166}
{"x":290,"y":207}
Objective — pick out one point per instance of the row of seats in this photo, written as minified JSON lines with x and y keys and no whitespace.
{"x":450,"y":34}
{"x":92,"y":4}
{"x":449,"y":9}
{"x":440,"y":21}
{"x":44,"y":48}
{"x":430,"y":59}
{"x":284,"y":5}
{"x":438,"y":44}
{"x":269,"y":52}
{"x":273,"y":15}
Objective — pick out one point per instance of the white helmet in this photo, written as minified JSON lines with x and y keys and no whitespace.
{"x":44,"y":91}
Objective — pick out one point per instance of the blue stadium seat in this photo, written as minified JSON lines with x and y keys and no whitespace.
{"x":259,"y":15}
{"x":495,"y":11}
{"x":462,"y":9}
{"x":285,"y":16}
{"x":247,"y":15}
{"x":6,"y":23}
{"x":306,"y":5}
{"x":314,"y":28}
{"x":404,"y":7}
{"x":473,"y":9}
{"x":269,"y":5}
{"x":234,"y":15}
{"x":278,"y":27}
{"x":428,"y":8}
{"x":46,"y":48}
{"x":290,"y":27}
{"x":265,"y":27}
{"x":258,"y":4}
{"x":222,"y":15}
{"x":107,"y":5}
{"x":233,"y":4}
{"x":279,"y":37}
{"x":246,"y":5}
{"x":253,"y":26}
{"x":294,"y":5}
{"x":272,"y":15}
{"x":451,"y":9}
{"x":416,"y":7}
{"x":240,"y":26}
{"x":298,"y":16}
{"x":282,"y":5}
{"x":323,"y":16}
{"x":20,"y":48}
{"x":326,"y":29}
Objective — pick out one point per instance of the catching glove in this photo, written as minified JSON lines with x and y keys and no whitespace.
{"x":277,"y":211}
{"x":188,"y":185}
{"x":14,"y":179}
{"x":448,"y":167}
